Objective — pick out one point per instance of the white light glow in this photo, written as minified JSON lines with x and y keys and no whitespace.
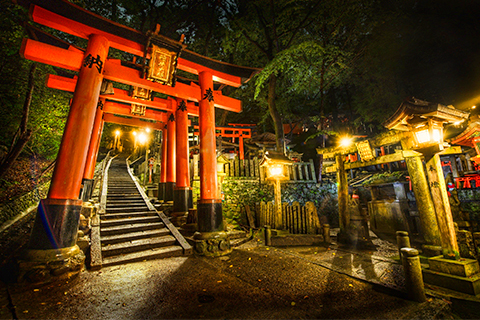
{"x":142,"y":138}
{"x":423,"y":136}
{"x":276,"y":171}
{"x":437,"y":135}
{"x":345,"y":141}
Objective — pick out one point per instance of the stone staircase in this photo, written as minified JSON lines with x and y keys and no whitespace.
{"x":130,"y":229}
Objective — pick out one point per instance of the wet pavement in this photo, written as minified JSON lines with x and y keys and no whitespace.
{"x":254,"y":282}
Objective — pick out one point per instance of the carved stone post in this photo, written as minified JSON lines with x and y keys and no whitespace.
{"x":425,"y":205}
{"x":442,"y":208}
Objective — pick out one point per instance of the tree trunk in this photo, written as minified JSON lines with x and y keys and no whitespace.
{"x":23,"y":133}
{"x":277,"y":119}
{"x":13,"y":154}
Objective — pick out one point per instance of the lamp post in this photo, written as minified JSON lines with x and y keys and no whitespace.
{"x":275,"y":164}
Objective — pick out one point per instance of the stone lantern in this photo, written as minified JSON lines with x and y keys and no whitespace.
{"x":275,"y":170}
{"x":425,"y":121}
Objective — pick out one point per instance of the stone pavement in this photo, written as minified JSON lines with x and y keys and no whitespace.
{"x":254,"y":282}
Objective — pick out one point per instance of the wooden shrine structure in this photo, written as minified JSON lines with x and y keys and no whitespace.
{"x":95,"y":101}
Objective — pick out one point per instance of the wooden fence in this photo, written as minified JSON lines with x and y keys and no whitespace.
{"x":295,"y":218}
{"x":299,"y":172}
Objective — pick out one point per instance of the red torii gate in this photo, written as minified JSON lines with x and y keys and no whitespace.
{"x":57,"y":220}
{"x":232,"y":132}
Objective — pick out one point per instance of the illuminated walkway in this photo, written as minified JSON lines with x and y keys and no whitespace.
{"x":131,"y":229}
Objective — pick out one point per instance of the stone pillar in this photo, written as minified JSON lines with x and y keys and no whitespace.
{"x":181,"y":193}
{"x":453,"y":163}
{"x":342,"y":187}
{"x":438,"y":190}
{"x":170,"y":183}
{"x":92,"y":153}
{"x":163,"y":167}
{"x":425,"y":206}
{"x":54,"y":235}
{"x":210,"y":238}
{"x":413,"y":274}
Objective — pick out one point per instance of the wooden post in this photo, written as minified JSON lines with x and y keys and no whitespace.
{"x":92,"y":153}
{"x":442,"y":208}
{"x":171,"y":146}
{"x":181,"y":192}
{"x":342,"y":186}
{"x":241,"y":147}
{"x":278,"y":204}
{"x":210,"y":239}
{"x":58,"y":216}
{"x":163,"y":166}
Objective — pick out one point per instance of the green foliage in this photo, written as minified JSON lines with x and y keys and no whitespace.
{"x":48,"y":108}
{"x":304,"y":65}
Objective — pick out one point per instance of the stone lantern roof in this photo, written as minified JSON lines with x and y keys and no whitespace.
{"x":415,"y":111}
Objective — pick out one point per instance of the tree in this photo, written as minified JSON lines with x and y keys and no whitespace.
{"x":32,"y":116}
{"x":304,"y":47}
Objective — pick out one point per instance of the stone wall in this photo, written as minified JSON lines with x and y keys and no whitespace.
{"x":11,"y":209}
{"x":238,"y":193}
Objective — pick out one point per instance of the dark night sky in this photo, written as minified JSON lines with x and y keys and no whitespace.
{"x":442,"y":50}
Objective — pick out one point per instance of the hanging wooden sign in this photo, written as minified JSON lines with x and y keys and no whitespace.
{"x":138,"y":109}
{"x":162,"y":65}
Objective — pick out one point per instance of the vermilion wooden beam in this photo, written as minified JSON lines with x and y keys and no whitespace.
{"x":124,"y":110}
{"x":134,"y":122}
{"x":68,"y":84}
{"x":114,"y":71}
{"x":58,"y":22}
{"x":225,"y":132}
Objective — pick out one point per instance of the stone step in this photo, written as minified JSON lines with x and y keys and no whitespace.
{"x":122,"y":190}
{"x":137,"y":245}
{"x":122,"y":194}
{"x":130,"y":220}
{"x":124,"y":215}
{"x":123,"y":229}
{"x":117,"y":238}
{"x":115,"y":197}
{"x":113,"y":186}
{"x":126,"y":209}
{"x":164,"y":252}
{"x":113,"y":204}
{"x":125,"y":203}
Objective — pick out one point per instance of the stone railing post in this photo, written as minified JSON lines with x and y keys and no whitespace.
{"x":413,"y":275}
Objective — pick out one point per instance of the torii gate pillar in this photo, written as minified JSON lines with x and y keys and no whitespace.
{"x":181,"y":192}
{"x":170,"y":183}
{"x":91,"y":161}
{"x":163,"y":167}
{"x":210,"y":238}
{"x":54,"y":234}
